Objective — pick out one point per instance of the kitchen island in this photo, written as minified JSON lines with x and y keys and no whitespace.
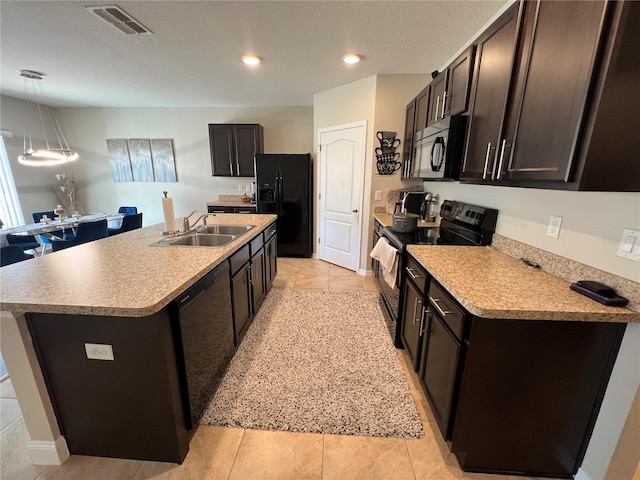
{"x":514,"y":364}
{"x":118,"y":292}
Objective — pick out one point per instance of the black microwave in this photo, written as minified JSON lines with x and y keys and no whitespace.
{"x":438,"y":150}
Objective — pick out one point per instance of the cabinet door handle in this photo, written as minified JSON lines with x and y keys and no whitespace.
{"x":444,"y":99}
{"x":435,"y":118}
{"x":250,"y":267}
{"x":434,"y":302}
{"x":504,"y":144}
{"x":486,"y":161}
{"x":419,"y":302}
{"x":422,"y":315}
{"x":415,"y":308}
{"x":411,"y":274}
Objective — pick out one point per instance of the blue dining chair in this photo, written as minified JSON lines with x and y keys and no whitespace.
{"x":25,"y":242}
{"x":128,"y":210}
{"x":12,"y":254}
{"x":129,"y":222}
{"x":85,"y":232}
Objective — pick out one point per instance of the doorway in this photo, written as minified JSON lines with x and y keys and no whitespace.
{"x":341,"y":172}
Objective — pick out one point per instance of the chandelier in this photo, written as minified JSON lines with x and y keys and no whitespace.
{"x":50,"y":154}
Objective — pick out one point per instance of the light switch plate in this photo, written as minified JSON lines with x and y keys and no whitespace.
{"x":629,"y":246}
{"x":378,"y":195}
{"x":553,"y":230}
{"x":98,"y":351}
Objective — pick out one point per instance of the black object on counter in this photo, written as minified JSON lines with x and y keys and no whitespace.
{"x":600,"y":293}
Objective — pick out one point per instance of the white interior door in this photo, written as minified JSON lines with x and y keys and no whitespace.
{"x":340,"y":197}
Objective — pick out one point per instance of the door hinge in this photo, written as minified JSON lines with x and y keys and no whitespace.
{"x":320,"y":146}
{"x":319,"y":196}
{"x":318,"y":239}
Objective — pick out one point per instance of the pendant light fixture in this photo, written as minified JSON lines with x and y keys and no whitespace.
{"x":55,"y":153}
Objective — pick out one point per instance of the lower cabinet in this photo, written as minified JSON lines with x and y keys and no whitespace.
{"x":252,"y":270}
{"x":412,"y":321}
{"x":511,"y":396}
{"x":442,"y":351}
{"x":241,"y":302}
{"x":271,"y":257}
{"x":413,"y":309}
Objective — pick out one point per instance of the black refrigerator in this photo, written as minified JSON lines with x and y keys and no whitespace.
{"x":284,"y":187}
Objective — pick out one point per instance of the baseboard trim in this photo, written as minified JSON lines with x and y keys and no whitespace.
{"x":581,"y":475}
{"x":45,"y":452}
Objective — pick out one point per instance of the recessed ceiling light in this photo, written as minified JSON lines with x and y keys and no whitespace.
{"x":251,"y":60}
{"x":351,"y":58}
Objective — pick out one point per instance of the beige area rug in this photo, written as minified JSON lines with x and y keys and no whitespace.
{"x":319,"y":362}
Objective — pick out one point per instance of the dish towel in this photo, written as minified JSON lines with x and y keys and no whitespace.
{"x":386,"y":255}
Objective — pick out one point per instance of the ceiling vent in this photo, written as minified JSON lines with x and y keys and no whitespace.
{"x":120,"y":19}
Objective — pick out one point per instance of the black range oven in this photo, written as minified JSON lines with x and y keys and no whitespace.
{"x":460,"y":224}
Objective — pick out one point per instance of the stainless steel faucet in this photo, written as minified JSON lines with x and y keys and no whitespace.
{"x":188,"y":227}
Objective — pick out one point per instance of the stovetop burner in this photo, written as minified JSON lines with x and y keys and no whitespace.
{"x":422,"y":236}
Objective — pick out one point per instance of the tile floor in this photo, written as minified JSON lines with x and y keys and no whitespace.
{"x":236,"y":454}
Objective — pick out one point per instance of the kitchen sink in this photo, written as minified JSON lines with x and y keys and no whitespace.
{"x":203,"y":240}
{"x":197,"y":240}
{"x":209,"y":236}
{"x":226,"y":229}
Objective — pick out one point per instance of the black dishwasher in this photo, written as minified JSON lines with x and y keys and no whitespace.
{"x":203,"y":328}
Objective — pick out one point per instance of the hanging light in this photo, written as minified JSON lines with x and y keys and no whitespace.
{"x":51,"y":154}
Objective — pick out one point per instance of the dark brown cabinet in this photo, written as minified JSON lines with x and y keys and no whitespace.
{"x":271,"y":255}
{"x":489,"y":93}
{"x":422,"y":110}
{"x":456,"y":97}
{"x":550,"y":91}
{"x":487,"y":380}
{"x":449,"y":91}
{"x":437,"y":92}
{"x":560,"y":113}
{"x":413,"y":310}
{"x":233,"y":147}
{"x":241,"y":303}
{"x":257,"y":272}
{"x":229,"y":209}
{"x":442,"y":350}
{"x":409,"y":135}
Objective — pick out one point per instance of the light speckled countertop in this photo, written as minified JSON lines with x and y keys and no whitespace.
{"x":490,"y":284}
{"x":386,"y":220}
{"x":121,"y":275}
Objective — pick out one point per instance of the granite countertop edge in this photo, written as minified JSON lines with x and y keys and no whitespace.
{"x":479,"y":299}
{"x":386,"y":220}
{"x":161,"y":277}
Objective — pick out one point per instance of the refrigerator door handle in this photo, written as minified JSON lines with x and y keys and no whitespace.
{"x":276,"y":192}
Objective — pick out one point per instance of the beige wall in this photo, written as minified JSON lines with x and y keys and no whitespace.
{"x":286,"y":130}
{"x":34,"y":185}
{"x":380,"y":101}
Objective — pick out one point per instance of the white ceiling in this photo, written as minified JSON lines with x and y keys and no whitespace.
{"x":194,"y":56}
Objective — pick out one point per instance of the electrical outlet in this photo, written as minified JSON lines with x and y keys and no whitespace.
{"x":378,"y":195}
{"x":98,"y":351}
{"x":240,"y":187}
{"x":247,"y":188}
{"x":553,"y":230}
{"x":629,"y":246}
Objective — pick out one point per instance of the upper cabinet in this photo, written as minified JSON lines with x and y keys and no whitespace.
{"x":489,"y":92}
{"x":554,"y":96}
{"x":446,"y":95}
{"x":233,"y":147}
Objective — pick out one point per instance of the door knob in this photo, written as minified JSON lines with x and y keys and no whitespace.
{"x":354,"y":211}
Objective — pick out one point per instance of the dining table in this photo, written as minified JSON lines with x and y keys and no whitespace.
{"x":58,"y":224}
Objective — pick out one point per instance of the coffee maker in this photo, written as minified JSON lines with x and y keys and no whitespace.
{"x":427,"y":208}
